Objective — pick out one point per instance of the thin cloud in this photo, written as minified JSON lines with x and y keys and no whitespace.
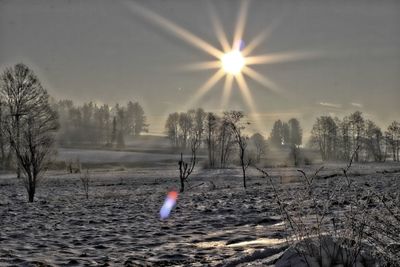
{"x":273,"y":115}
{"x":357,"y":105}
{"x":330,"y":105}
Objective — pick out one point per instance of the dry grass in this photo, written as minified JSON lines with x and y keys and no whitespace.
{"x":366,"y":230}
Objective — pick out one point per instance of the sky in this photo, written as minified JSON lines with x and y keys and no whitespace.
{"x":108,"y":51}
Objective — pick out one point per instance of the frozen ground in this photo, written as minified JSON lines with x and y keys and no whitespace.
{"x":216,"y":223}
{"x":104,"y":159}
{"x":108,"y":156}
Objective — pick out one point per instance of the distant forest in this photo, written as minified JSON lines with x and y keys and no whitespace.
{"x":216,"y":133}
{"x":91,"y":124}
{"x":334,"y":138}
{"x":337,"y":139}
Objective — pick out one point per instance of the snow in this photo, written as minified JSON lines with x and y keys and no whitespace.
{"x":216,"y":223}
{"x":109,"y":156}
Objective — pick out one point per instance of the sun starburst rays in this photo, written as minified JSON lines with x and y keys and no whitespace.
{"x":275,"y":58}
{"x":245,"y":91}
{"x":233,"y":53}
{"x":263,"y":80}
{"x":226,"y":93}
{"x":207,"y":86}
{"x":240,"y":24}
{"x":260,"y":38}
{"x":254,"y":43}
{"x":177,"y":30}
{"x":206,"y":65}
{"x":219,"y":31}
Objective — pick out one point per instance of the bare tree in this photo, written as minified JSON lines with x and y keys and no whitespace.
{"x":324,"y":136}
{"x":336,"y":139}
{"x":357,"y":129}
{"x":5,"y":150}
{"x":121,"y":122}
{"x":185,"y":125}
{"x":2,"y":141}
{"x":260,"y":146}
{"x":226,"y":141}
{"x":199,"y":118}
{"x":30,"y":124}
{"x":211,"y":128}
{"x":233,"y":119}
{"x":136,"y":119}
{"x":171,"y":128}
{"x":113,"y":138}
{"x":393,"y":139}
{"x":295,"y":139}
{"x":186,"y":167}
{"x":373,"y":141}
{"x":345,"y":138}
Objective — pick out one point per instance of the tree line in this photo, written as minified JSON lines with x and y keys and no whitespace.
{"x":218,"y":137}
{"x":92,"y":124}
{"x":286,"y":133}
{"x":88,"y":124}
{"x":221,"y":136}
{"x":225,"y":141}
{"x":336,"y":139}
{"x":31,"y":124}
{"x":217,"y":134}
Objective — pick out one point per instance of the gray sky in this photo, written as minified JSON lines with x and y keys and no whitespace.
{"x":106,"y":52}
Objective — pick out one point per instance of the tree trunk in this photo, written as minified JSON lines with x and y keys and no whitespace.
{"x":244,"y":176}
{"x":181,"y":174}
{"x":3,"y":153}
{"x":210,"y":159}
{"x":294,"y":152}
{"x":222,"y":149}
{"x":356,"y":159}
{"x":18,"y":142}
{"x":243,"y":166}
{"x":31,"y":195}
{"x":182,"y":186}
{"x":31,"y":191}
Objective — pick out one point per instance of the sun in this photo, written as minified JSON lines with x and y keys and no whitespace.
{"x":233,"y":62}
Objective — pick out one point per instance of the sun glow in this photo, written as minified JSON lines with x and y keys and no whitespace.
{"x":233,"y":62}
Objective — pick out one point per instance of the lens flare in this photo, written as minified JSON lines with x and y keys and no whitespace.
{"x":168,"y":205}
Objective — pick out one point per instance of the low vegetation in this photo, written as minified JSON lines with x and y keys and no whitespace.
{"x":85,"y":180}
{"x":355,"y":235}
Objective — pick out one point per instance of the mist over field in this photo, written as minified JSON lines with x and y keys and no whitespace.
{"x":199,"y":133}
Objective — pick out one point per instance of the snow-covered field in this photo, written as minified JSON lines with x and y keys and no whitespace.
{"x":216,"y":223}
{"x":109,"y":156}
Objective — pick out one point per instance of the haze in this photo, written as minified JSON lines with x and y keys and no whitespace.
{"x":102,"y":51}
